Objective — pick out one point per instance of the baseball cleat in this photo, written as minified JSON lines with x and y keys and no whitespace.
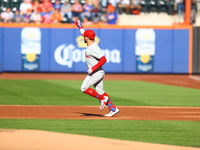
{"x":112,"y":113}
{"x":103,"y":103}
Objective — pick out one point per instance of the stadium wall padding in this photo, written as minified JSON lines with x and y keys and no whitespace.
{"x":1,"y":51}
{"x":43,"y":49}
{"x":196,"y":50}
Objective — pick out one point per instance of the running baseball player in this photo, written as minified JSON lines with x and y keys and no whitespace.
{"x":95,"y":59}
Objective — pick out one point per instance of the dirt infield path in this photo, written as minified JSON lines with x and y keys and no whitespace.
{"x":92,"y":112}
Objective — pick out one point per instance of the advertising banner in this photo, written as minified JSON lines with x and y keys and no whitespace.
{"x":141,"y":50}
{"x":68,"y":50}
{"x":145,"y":50}
{"x":63,"y":52}
{"x":111,"y":41}
{"x":30,"y":48}
{"x":152,"y":53}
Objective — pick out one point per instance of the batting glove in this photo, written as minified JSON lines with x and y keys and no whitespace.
{"x":78,"y":23}
{"x":89,"y":70}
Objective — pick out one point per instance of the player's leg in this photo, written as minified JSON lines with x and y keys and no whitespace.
{"x":110,"y":104}
{"x":100,"y":89}
{"x":112,"y":108}
{"x":90,"y":81}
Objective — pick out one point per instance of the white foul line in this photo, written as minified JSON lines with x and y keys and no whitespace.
{"x":195,"y":78}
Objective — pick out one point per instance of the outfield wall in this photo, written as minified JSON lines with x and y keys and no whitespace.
{"x":1,"y":51}
{"x":48,"y":48}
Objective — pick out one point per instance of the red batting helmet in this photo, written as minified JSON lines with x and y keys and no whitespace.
{"x":90,"y":34}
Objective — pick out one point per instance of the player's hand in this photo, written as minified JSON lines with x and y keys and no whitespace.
{"x":78,"y":23}
{"x":89,"y":70}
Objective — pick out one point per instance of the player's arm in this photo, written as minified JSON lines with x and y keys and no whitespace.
{"x":79,"y":25}
{"x":100,"y":63}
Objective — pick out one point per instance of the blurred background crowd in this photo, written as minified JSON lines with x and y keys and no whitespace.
{"x":88,"y":11}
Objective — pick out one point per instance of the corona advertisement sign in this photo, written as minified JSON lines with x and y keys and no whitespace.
{"x":30,"y":48}
{"x":145,"y":50}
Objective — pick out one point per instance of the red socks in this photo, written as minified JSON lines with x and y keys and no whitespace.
{"x":93,"y":93}
{"x":105,"y":94}
{"x":110,"y":104}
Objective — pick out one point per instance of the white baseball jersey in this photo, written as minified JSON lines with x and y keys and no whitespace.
{"x":92,"y":54}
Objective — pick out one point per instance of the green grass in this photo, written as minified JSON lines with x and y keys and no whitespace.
{"x":185,"y":133}
{"x":123,"y":93}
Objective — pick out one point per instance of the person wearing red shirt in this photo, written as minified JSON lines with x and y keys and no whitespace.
{"x":46,"y":6}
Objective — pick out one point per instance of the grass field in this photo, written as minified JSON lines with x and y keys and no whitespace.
{"x":123,"y":93}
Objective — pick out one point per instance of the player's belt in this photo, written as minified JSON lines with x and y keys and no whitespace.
{"x":99,"y":69}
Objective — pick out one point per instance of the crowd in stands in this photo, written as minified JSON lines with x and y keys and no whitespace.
{"x":65,"y":11}
{"x":47,"y":12}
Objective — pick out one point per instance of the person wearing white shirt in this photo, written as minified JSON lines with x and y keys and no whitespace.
{"x":25,"y":6}
{"x":7,"y":16}
{"x":36,"y":17}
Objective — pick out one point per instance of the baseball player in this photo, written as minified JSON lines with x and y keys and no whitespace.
{"x":95,"y":59}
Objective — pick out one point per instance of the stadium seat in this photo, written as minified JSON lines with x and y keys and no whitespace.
{"x":4,"y":4}
{"x":15,"y":5}
{"x":154,"y":7}
{"x":162,"y":6}
{"x":145,"y":5}
{"x":170,"y":7}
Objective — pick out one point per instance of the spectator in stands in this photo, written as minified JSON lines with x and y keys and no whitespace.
{"x":27,"y":16}
{"x":56,"y":16}
{"x":180,"y":9}
{"x":87,"y":10}
{"x":135,"y":6}
{"x":36,"y":6}
{"x":86,"y":21}
{"x":36,"y":17}
{"x":77,"y":9}
{"x":169,"y":7}
{"x":103,"y":20}
{"x":96,"y":12}
{"x":113,"y":2}
{"x":46,"y":16}
{"x":25,"y":6}
{"x":46,"y":6}
{"x":92,"y":2}
{"x":104,"y":3}
{"x":7,"y":16}
{"x":193,"y":11}
{"x":18,"y":17}
{"x":57,"y":5}
{"x":111,"y":15}
{"x":66,"y":10}
{"x":123,"y":3}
